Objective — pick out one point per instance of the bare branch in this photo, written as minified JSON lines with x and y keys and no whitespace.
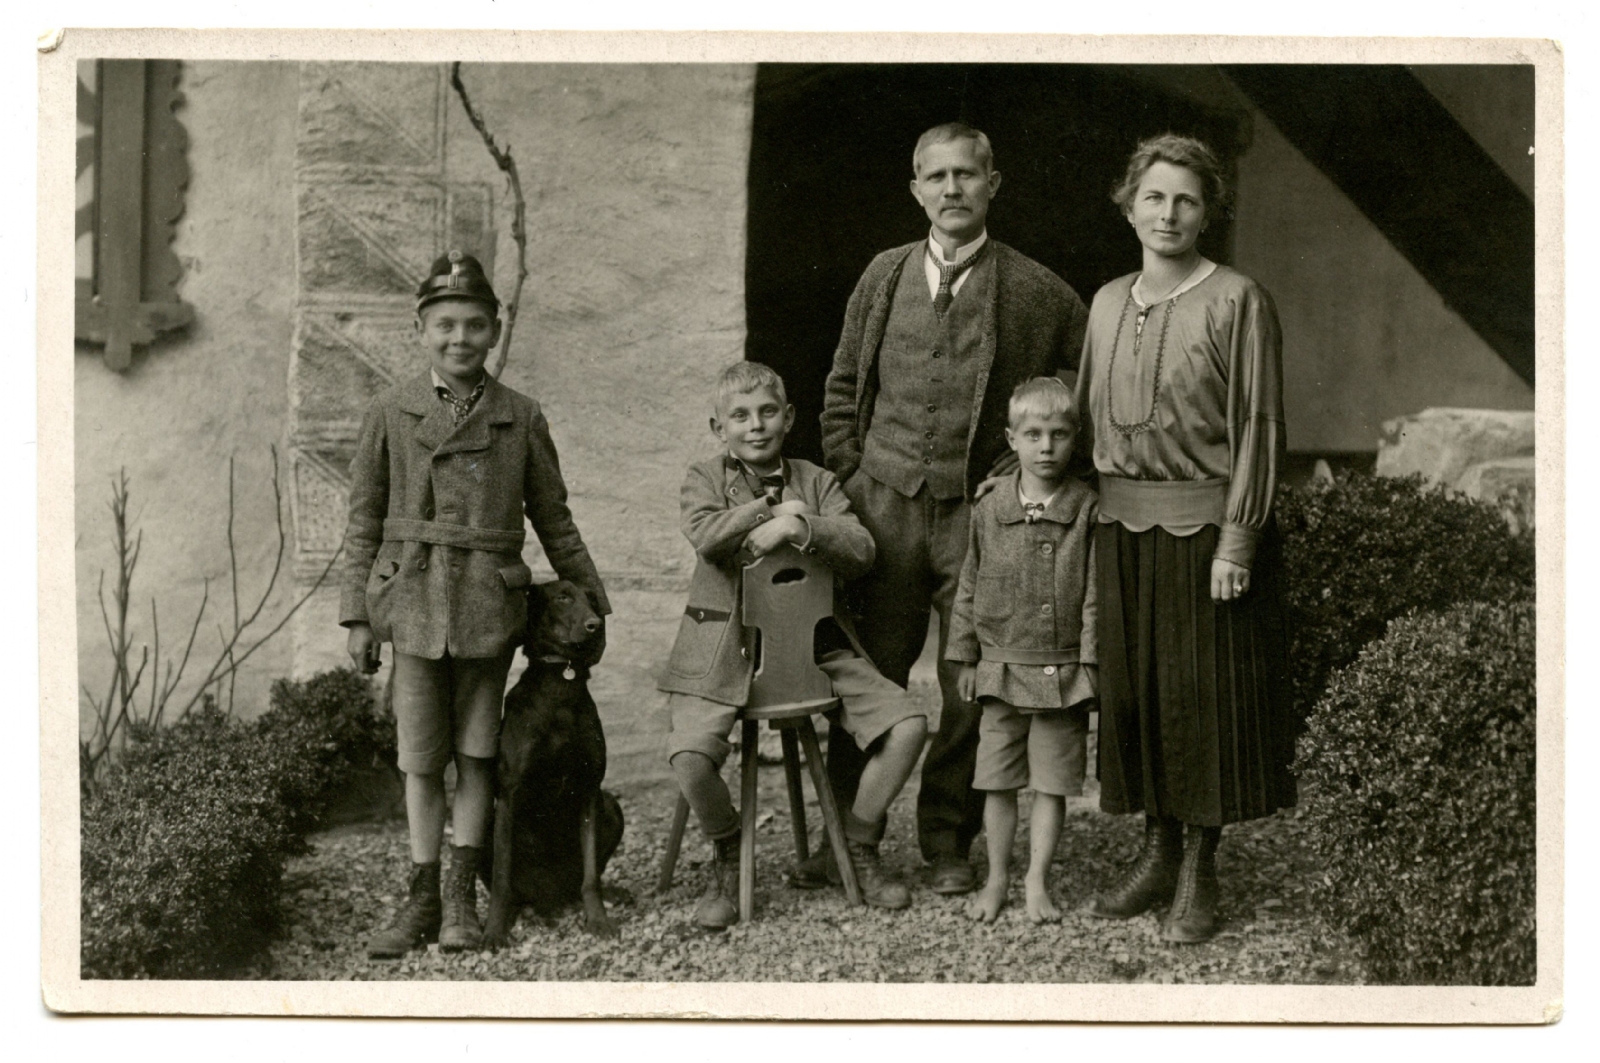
{"x":519,"y":217}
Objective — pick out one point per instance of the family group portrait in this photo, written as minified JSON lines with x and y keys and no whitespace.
{"x":669,"y":525}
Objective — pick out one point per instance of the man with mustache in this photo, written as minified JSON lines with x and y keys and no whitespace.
{"x":936,"y":336}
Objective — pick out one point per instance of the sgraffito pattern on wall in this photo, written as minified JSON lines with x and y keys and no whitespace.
{"x":375,"y":205}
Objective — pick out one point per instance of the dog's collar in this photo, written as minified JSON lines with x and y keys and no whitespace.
{"x":569,"y":672}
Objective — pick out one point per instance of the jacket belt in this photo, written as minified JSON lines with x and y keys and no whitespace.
{"x":1143,"y":504}
{"x":492,"y":540}
{"x":1007,"y":655}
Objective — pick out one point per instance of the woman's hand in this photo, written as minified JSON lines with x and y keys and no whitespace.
{"x":363,"y":651}
{"x":967,"y":682}
{"x":1228,"y":580}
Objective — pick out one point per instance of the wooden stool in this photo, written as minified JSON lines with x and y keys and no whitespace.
{"x":786,"y":593}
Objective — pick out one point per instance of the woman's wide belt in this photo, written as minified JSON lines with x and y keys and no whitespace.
{"x":493,"y":540}
{"x":1142,"y":504}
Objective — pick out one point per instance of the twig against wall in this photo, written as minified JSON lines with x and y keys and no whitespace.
{"x":519,"y":217}
{"x":118,"y":712}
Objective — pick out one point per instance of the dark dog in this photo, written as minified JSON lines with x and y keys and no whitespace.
{"x":554,"y":829}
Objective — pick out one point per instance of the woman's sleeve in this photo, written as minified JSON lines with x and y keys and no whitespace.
{"x":1082,"y":462}
{"x":1255,"y":424}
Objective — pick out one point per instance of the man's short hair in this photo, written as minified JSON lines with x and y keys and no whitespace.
{"x":741,"y":378}
{"x":943,"y":134}
{"x":1043,"y":396}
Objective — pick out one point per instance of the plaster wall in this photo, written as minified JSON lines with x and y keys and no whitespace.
{"x":635,"y":184}
{"x":193,"y":399}
{"x":1366,"y":338}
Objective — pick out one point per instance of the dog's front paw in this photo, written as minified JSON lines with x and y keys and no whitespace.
{"x":600,"y":925}
{"x":496,"y":935}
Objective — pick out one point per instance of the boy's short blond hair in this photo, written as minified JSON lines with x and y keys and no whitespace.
{"x":1042,"y":396}
{"x":741,"y":378}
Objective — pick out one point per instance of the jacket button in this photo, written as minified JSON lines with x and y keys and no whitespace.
{"x":1047,"y":548}
{"x":699,"y":614}
{"x":427,"y":514}
{"x":933,"y":407}
{"x":744,"y":651}
{"x":1046,"y":609}
{"x":1049,"y":669}
{"x":422,"y":564}
{"x":733,"y":492}
{"x":927,"y":435}
{"x":936,"y":352}
{"x":927,"y":461}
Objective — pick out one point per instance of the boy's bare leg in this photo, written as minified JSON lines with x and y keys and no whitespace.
{"x":889,"y":768}
{"x":425,"y":816}
{"x":1044,"y":832}
{"x":1000,"y":825}
{"x":474,"y":797}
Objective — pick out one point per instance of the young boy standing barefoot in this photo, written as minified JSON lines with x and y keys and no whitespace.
{"x":1023,"y":631}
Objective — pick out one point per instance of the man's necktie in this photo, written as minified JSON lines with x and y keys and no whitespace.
{"x":948,"y":272}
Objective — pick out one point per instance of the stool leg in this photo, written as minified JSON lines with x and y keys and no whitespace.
{"x":747,"y":813}
{"x":680,"y":820}
{"x":830,"y":810}
{"x":797,"y":796}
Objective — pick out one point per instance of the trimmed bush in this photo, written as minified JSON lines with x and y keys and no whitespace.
{"x":1365,"y":549}
{"x":1417,"y":783}
{"x":184,"y":842}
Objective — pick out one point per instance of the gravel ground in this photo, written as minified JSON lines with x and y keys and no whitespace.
{"x":352,"y":877}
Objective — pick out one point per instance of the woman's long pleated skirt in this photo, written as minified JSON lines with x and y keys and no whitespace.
{"x":1195,"y":716}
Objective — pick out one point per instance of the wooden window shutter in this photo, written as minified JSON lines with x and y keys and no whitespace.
{"x":132,"y":171}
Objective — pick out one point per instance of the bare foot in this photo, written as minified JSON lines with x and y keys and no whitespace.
{"x":987,"y":904}
{"x":1041,"y":909}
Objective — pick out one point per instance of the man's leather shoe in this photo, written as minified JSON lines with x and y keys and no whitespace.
{"x":417,"y":922}
{"x":951,"y":875}
{"x":877,"y":888}
{"x":818,"y":871}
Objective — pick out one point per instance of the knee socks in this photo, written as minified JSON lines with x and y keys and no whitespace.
{"x":708,"y":796}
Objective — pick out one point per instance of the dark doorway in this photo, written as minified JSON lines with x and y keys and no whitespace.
{"x":830,"y":166}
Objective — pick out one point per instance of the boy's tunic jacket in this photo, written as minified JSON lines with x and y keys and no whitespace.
{"x":1026,"y":600}
{"x":711,"y":657}
{"x":434,"y":544}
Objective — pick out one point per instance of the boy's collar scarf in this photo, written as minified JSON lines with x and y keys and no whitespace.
{"x":771,"y":485}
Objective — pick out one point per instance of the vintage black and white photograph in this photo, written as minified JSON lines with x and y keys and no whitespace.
{"x":780,"y":519}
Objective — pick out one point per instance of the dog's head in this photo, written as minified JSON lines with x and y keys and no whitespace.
{"x":564,"y":621}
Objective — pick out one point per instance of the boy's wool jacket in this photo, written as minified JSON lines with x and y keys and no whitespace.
{"x":1033,"y":326}
{"x":434,"y":544}
{"x":711,"y":657}
{"x":1026,"y":594}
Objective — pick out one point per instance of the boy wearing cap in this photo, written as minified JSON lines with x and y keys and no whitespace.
{"x":447,"y":464}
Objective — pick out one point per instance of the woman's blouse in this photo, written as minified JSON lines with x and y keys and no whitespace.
{"x":1183,"y":409}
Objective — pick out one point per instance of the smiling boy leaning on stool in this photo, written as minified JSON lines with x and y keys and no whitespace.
{"x":739,"y":506}
{"x":447,"y":464}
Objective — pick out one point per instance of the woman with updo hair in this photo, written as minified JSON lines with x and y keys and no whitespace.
{"x":1181,"y":388}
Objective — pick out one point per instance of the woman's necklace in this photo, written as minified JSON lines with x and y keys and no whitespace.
{"x":1146,"y":307}
{"x":1138,"y":336}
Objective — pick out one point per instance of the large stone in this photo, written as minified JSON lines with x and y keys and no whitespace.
{"x":1507,"y":483}
{"x":1442,"y":443}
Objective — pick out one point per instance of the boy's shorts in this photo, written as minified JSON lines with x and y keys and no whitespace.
{"x":872,"y":705}
{"x":1045,"y":750}
{"x":445,"y":706}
